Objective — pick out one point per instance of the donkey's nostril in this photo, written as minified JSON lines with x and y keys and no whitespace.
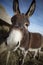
{"x":16,"y":26}
{"x":17,"y":44}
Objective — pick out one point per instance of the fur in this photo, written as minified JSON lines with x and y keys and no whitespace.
{"x":14,"y":37}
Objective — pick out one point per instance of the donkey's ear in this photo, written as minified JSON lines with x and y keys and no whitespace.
{"x":16,"y":6}
{"x":31,"y":9}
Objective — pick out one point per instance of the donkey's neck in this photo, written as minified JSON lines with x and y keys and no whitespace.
{"x":25,"y":41}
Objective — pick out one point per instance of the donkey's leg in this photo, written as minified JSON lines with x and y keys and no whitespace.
{"x":25,"y":54}
{"x":35,"y":50}
{"x":8,"y":55}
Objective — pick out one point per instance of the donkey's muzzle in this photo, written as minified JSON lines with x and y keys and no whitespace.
{"x":19,"y":26}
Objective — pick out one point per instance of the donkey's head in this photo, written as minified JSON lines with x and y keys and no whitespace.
{"x":20,"y":24}
{"x":20,"y":20}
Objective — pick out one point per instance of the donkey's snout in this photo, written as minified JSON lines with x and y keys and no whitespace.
{"x":19,"y":26}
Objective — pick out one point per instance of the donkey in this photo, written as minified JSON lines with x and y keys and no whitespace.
{"x":19,"y":36}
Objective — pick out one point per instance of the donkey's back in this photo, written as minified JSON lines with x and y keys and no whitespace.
{"x":36,"y":40}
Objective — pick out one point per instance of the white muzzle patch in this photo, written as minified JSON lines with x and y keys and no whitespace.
{"x":14,"y":37}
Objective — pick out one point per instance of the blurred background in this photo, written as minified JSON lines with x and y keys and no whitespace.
{"x":36,"y":20}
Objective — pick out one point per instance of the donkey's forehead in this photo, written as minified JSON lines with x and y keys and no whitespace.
{"x":20,"y":18}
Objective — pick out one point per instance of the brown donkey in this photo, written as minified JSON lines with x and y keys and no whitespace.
{"x":19,"y":36}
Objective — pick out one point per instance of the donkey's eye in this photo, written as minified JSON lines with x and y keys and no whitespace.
{"x":26,"y":24}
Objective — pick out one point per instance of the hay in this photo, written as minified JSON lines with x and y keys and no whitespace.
{"x":15,"y":58}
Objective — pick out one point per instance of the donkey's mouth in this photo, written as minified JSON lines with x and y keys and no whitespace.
{"x":14,"y":39}
{"x":12,"y":47}
{"x":17,"y":44}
